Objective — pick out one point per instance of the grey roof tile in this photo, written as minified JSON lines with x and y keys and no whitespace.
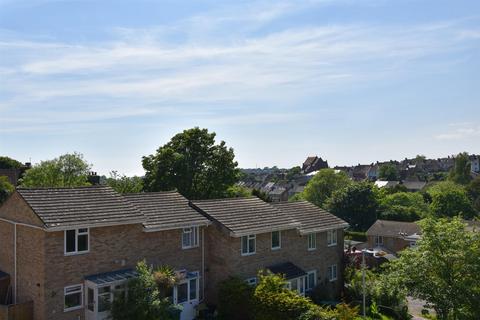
{"x":244,"y":216}
{"x":166,"y":210}
{"x":81,"y":206}
{"x":310,"y":217}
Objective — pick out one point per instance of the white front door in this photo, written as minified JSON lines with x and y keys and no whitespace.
{"x":90,"y":313}
{"x":187,"y":296}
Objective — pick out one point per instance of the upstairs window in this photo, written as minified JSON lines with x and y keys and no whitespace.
{"x":76,"y":241}
{"x":332,"y":238}
{"x":332,"y":272}
{"x":248,"y":245}
{"x":276,"y":240}
{"x":378,"y":241}
{"x":312,"y":241}
{"x":190,"y":238}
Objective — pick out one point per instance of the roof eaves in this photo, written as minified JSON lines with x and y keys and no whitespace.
{"x":93,"y":225}
{"x":322,"y":229}
{"x":176,"y":226}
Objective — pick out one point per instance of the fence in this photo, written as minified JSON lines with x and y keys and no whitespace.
{"x":19,"y":311}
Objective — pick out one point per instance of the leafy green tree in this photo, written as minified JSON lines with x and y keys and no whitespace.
{"x":123,"y":184}
{"x":473,"y":190}
{"x":237,"y":191}
{"x":356,"y":204}
{"x":147,"y":297}
{"x":9,"y":163}
{"x":323,"y":185}
{"x":460,"y":173}
{"x":443,"y":270}
{"x":449,"y":200}
{"x":235,"y":300}
{"x":388,"y":172}
{"x":193,"y":164}
{"x":68,"y":170}
{"x":403,"y":206}
{"x":261,"y":195}
{"x":293,"y":172}
{"x":6,"y":188}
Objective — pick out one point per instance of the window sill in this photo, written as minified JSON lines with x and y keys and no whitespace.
{"x":67,"y":254}
{"x":192,"y":247}
{"x":248,"y":254}
{"x":73,"y":309}
{"x":333,"y":280}
{"x":312,"y":249}
{"x":276,"y":248}
{"x":332,"y":245}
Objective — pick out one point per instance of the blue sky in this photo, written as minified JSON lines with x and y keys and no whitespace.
{"x":351,"y":81}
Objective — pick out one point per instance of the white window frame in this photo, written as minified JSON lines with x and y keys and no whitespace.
{"x":307,"y":288}
{"x":377,"y":241}
{"x":249,"y":237}
{"x":77,"y":234}
{"x":251,"y":281}
{"x":332,"y":238}
{"x":312,"y":237}
{"x":331,"y":277}
{"x":193,"y":236}
{"x":279,"y":240}
{"x":71,"y":293}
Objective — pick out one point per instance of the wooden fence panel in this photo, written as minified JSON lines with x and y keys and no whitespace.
{"x":21,"y":311}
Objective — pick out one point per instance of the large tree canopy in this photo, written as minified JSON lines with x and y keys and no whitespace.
{"x":388,"y":172}
{"x":9,"y":163}
{"x":356,"y":204}
{"x":68,"y":170}
{"x":443,"y":270}
{"x":123,"y":184}
{"x":460,"y":173}
{"x":449,"y":200}
{"x":323,"y":184}
{"x":403,"y":206}
{"x":193,"y":164}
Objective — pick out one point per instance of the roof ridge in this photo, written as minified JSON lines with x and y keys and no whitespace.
{"x":225,"y":199}
{"x":65,"y":188}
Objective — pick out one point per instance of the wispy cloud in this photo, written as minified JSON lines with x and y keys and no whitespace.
{"x":460,"y":131}
{"x":144,"y":69}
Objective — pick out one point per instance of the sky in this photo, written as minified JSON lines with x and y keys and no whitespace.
{"x":350,"y":81}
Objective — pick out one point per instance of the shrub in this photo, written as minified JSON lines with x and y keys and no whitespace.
{"x":235,"y":300}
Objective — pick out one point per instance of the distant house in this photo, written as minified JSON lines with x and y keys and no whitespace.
{"x":372,"y":173}
{"x":386,"y":184}
{"x":475,"y":163}
{"x":414,"y":186}
{"x":394,"y":236}
{"x":314,"y":164}
{"x":278,"y":194}
{"x":360,"y":172}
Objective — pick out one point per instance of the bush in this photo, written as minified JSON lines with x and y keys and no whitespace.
{"x":356,"y":235}
{"x":235,"y":300}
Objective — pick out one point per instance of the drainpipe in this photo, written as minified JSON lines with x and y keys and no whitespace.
{"x":15,"y":262}
{"x":203,"y":263}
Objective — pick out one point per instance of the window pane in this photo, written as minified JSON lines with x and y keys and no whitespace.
{"x":104,"y":302}
{"x":302,"y":285}
{"x":85,"y":230}
{"x":73,"y":300}
{"x":193,"y":289}
{"x":251,"y":245}
{"x":90,"y":299}
{"x":186,"y":239}
{"x":293,"y":285}
{"x":70,"y":241}
{"x":275,"y":239}
{"x":244,"y":244}
{"x":182,"y":293}
{"x":311,"y":280}
{"x":83,"y":243}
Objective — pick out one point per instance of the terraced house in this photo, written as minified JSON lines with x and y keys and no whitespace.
{"x":70,"y":249}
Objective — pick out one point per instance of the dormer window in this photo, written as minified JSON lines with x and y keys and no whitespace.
{"x":77,"y":241}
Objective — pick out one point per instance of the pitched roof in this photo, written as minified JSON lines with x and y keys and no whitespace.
{"x":310,"y":217}
{"x":166,"y":210}
{"x":243,"y":216}
{"x":414,"y":185}
{"x":288,"y":269}
{"x":59,"y":208}
{"x":395,"y":229}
